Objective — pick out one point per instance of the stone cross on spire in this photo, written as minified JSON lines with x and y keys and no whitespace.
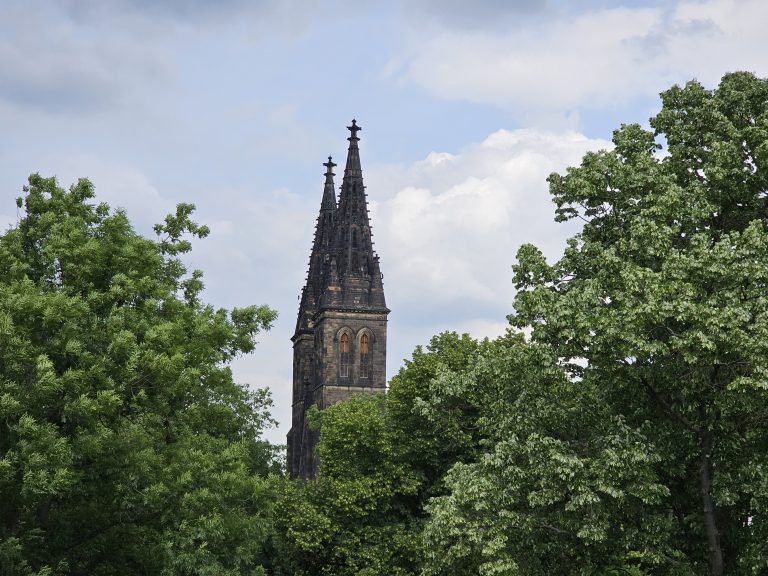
{"x":354,"y":129}
{"x":329,"y":165}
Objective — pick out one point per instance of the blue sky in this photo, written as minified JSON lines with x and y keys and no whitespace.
{"x":466,"y":107}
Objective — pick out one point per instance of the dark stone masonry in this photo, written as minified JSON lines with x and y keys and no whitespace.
{"x":340,"y":343}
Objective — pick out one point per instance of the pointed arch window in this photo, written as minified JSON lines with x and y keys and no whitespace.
{"x":344,"y":356}
{"x":365,"y":357}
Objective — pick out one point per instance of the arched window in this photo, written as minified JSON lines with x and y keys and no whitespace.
{"x":365,"y":358}
{"x":344,"y":356}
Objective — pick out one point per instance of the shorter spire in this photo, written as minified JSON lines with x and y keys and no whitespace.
{"x":329,"y":192}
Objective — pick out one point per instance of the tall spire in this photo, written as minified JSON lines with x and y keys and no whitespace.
{"x":353,"y":154}
{"x":353,"y":235}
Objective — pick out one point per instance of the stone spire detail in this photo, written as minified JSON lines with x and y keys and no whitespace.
{"x":329,"y":191}
{"x":322,"y":248}
{"x":353,"y":154}
{"x":353,"y":231}
{"x":344,"y":269}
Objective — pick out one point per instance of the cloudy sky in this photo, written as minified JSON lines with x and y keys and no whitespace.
{"x":234,"y":105}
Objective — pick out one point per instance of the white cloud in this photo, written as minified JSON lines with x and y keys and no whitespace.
{"x":600,"y":58}
{"x":448,"y":228}
{"x":451,"y":235}
{"x":483,"y":328}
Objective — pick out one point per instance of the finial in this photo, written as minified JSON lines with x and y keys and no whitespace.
{"x":329,"y":165}
{"x":354,"y":129}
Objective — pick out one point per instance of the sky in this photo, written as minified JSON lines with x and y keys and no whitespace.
{"x":233,"y":105}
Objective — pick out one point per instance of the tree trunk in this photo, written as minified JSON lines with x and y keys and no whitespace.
{"x":710,"y":523}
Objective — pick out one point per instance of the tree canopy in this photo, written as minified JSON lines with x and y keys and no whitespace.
{"x":125,"y":445}
{"x":661,"y":305}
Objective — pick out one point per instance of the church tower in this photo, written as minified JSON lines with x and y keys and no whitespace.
{"x":340,"y":343}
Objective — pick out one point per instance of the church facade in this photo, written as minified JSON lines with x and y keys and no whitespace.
{"x":340,"y":342}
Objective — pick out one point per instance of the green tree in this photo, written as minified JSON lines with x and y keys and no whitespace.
{"x":557,"y":484}
{"x":351,"y":519}
{"x":434,"y":426}
{"x":660,"y":305}
{"x":125,"y":445}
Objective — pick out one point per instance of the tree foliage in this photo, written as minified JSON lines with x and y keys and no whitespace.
{"x":125,"y":445}
{"x":433,"y":424}
{"x":350,"y":520}
{"x":663,"y":299}
{"x":557,"y":482}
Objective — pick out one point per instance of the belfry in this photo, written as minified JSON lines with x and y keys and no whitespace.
{"x":340,"y":343}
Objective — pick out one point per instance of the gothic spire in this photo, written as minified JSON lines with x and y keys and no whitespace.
{"x":353,"y":154}
{"x":329,"y":192}
{"x":353,"y":237}
{"x":321,"y":250}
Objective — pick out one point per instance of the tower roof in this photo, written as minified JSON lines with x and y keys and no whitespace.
{"x":322,"y":248}
{"x":343,"y":267}
{"x":355,"y":249}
